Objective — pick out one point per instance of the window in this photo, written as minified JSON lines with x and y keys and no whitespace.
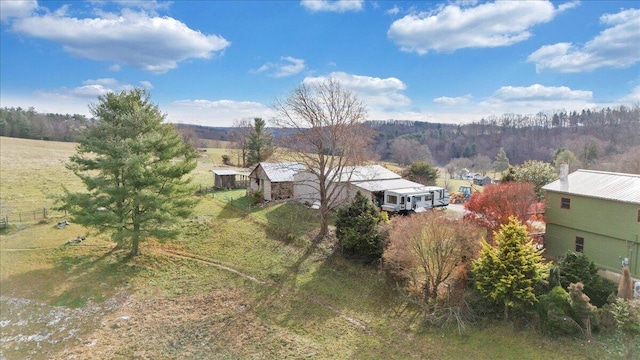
{"x":638,"y":215}
{"x":579,"y":244}
{"x":565,"y":203}
{"x":392,"y":199}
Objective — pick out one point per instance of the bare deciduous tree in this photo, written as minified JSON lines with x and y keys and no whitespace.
{"x":406,"y":151}
{"x":429,"y":250}
{"x":239,"y":140}
{"x":325,"y":133}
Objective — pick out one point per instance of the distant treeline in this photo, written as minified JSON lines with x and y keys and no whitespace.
{"x":605,"y":132}
{"x":29,"y":124}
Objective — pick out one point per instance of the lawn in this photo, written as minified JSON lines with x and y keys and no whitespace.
{"x":241,"y":282}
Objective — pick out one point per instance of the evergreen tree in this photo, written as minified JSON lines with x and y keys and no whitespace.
{"x":133,"y":166}
{"x":422,"y":172}
{"x":502,"y":161}
{"x":357,"y":229}
{"x":259,"y":142}
{"x":509,"y":273}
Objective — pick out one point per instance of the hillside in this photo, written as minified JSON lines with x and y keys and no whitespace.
{"x":241,"y":283}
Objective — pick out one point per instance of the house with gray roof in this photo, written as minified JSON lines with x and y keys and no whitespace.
{"x":596,"y":213}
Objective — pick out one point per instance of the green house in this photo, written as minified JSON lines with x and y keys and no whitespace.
{"x":597,"y":213}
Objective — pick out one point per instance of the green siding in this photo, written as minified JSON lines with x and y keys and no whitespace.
{"x":610,"y":230}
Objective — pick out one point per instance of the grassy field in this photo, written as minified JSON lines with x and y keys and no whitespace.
{"x":241,"y":282}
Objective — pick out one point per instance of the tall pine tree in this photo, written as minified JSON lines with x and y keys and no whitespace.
{"x":133,"y":166}
{"x":259,"y":142}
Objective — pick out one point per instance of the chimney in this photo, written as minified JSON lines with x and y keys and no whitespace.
{"x":564,"y":172}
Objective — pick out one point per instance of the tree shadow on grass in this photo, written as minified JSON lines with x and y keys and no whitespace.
{"x":78,"y":276}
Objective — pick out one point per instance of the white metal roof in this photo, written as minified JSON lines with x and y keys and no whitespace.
{"x":599,"y":184}
{"x":367,"y":173}
{"x":281,"y":171}
{"x":389,"y":184}
{"x":224,"y":172}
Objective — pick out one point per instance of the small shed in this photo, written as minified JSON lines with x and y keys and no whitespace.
{"x":481,"y":180}
{"x":274,"y":180}
{"x":228,"y":179}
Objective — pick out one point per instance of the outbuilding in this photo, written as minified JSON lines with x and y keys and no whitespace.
{"x":228,"y":179}
{"x":274,"y":180}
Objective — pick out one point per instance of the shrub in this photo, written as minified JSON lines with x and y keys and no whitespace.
{"x":554,"y":309}
{"x":577,"y":267}
{"x":357,"y":230}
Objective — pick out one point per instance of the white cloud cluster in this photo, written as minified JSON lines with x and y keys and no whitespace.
{"x":536,"y":98}
{"x":17,"y":9}
{"x":286,"y":67}
{"x":632,"y":98}
{"x":214,"y":113}
{"x":151,"y":43}
{"x":90,"y":90}
{"x":332,"y":6}
{"x":375,"y":92}
{"x":453,"y":101}
{"x":616,"y":46}
{"x":454,"y":27}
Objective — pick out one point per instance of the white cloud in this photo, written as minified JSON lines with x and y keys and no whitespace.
{"x":155,"y":44}
{"x":214,"y":112}
{"x":87,"y":92}
{"x":395,"y":10}
{"x":146,"y":84}
{"x":632,"y":98}
{"x":286,"y":67}
{"x":536,"y":98}
{"x":375,"y":92}
{"x":332,"y":6}
{"x":616,"y":46}
{"x":454,"y":27}
{"x":17,"y":9}
{"x":452,"y":101}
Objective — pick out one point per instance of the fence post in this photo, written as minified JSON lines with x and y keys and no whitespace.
{"x":44,"y":213}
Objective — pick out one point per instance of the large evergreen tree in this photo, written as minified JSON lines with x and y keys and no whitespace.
{"x":133,"y":166}
{"x":509,"y":273}
{"x":259,"y":142}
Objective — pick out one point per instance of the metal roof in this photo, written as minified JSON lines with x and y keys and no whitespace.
{"x":599,"y":184}
{"x":281,"y":171}
{"x":389,"y":184}
{"x":224,"y":172}
{"x":366,"y":173}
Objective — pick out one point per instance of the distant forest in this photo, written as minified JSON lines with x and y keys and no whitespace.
{"x":600,"y":138}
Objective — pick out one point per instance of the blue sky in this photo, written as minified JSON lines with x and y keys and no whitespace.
{"x":216,"y":62}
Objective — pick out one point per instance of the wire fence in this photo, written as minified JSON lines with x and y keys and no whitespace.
{"x":28,"y":217}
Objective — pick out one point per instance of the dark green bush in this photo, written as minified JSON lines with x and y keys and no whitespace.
{"x":577,"y":267}
{"x":357,"y":230}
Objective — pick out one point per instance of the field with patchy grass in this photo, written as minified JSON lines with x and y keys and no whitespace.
{"x":242,"y":282}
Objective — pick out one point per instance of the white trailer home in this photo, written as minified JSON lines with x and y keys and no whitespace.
{"x":386,"y":189}
{"x":417,"y":199}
